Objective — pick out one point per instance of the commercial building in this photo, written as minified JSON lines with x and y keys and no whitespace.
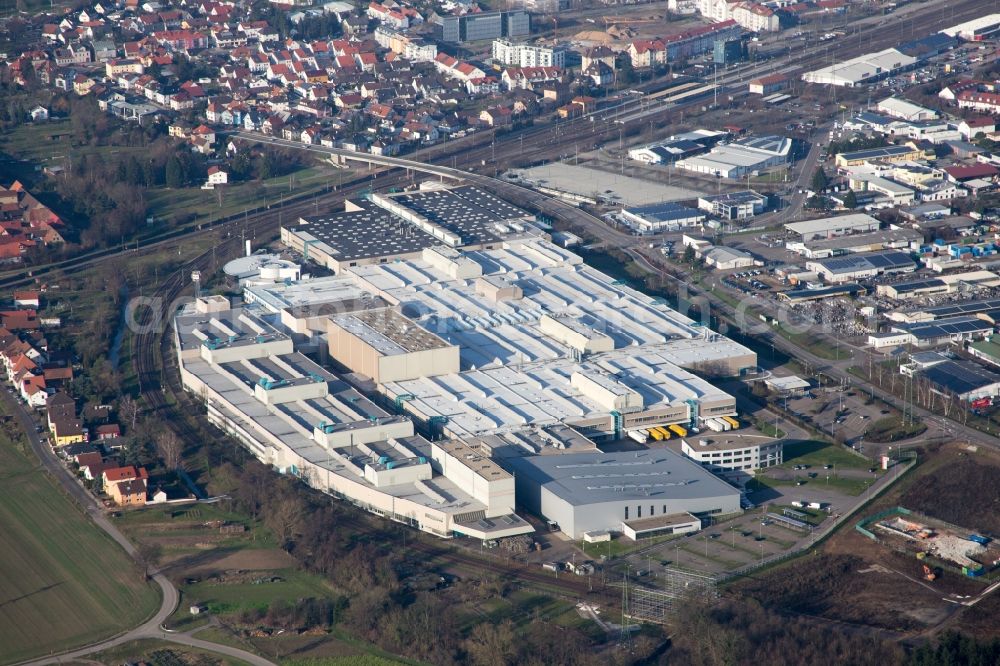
{"x":588,"y":492}
{"x":912,"y":289}
{"x":483,"y":25}
{"x":831,"y":227}
{"x":976,"y":30}
{"x":884,"y":154}
{"x":733,"y":455}
{"x":741,"y":158}
{"x":863,"y":69}
{"x":297,"y":417}
{"x":943,"y":331}
{"x":884,"y":192}
{"x":854,"y":267}
{"x":945,"y":284}
{"x":661,"y":217}
{"x":966,"y":380}
{"x":519,"y":54}
{"x":933,"y":313}
{"x":987,"y":350}
{"x":888,"y":239}
{"x":386,"y":227}
{"x":734,"y":205}
{"x":727,"y":258}
{"x":789,"y":385}
{"x":905,"y":109}
{"x":822,"y":293}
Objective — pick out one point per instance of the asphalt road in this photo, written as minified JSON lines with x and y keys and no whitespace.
{"x":151,"y":628}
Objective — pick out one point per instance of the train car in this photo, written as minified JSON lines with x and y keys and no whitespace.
{"x":679,"y":430}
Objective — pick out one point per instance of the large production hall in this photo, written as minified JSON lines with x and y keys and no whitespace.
{"x":477,"y":353}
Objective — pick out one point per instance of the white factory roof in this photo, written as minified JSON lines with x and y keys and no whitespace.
{"x":861,"y":68}
{"x":825,"y":224}
{"x":292,"y":424}
{"x":305,"y":293}
{"x":554,"y":282}
{"x":902,"y":108}
{"x":975,"y":24}
{"x":483,"y":401}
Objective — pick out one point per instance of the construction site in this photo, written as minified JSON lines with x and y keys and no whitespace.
{"x":933,"y":542}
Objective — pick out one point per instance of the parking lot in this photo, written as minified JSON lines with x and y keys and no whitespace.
{"x":716,"y":549}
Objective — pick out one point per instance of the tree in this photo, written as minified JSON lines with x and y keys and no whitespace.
{"x":129,"y":409}
{"x":147,"y":555}
{"x":850,"y":200}
{"x":170,"y":449}
{"x":492,"y":645}
{"x":174,"y":173}
{"x":819,"y":180}
{"x":284,"y":519}
{"x":689,"y":254}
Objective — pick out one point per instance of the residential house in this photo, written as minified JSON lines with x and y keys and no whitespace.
{"x":128,"y":493}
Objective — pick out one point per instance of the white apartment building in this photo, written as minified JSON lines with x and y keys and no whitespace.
{"x":750,"y":15}
{"x":527,"y":55}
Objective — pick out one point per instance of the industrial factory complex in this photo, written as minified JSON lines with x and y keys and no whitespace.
{"x":455,"y":349}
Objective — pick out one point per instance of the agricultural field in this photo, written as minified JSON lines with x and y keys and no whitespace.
{"x":63,"y":582}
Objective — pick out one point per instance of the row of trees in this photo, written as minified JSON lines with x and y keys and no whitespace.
{"x":361,"y":557}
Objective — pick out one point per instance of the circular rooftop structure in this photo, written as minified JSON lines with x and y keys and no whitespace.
{"x":263,"y":266}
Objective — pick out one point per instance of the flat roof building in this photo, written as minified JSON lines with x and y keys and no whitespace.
{"x":733,"y":455}
{"x":387,"y":346}
{"x":862,"y":69}
{"x":522,"y":354}
{"x":586,"y":492}
{"x":734,"y":205}
{"x":883,"y":154}
{"x":399,"y":226}
{"x":852,"y":267}
{"x":741,"y":158}
{"x":292,"y":414}
{"x":887,"y":239}
{"x":830,"y":227}
{"x":662,"y":217}
{"x":966,"y":380}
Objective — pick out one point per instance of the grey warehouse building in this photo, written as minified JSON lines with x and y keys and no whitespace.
{"x":484,"y":25}
{"x":586,"y":492}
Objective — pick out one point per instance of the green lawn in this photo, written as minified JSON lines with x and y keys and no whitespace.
{"x":817,"y":454}
{"x":63,"y":581}
{"x":233,"y":597}
{"x":212,"y":204}
{"x":848,"y":485}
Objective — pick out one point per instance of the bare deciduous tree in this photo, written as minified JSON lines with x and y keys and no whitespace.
{"x":170,"y":448}
{"x":129,"y":409}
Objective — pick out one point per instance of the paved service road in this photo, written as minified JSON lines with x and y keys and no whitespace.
{"x":151,"y":628}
